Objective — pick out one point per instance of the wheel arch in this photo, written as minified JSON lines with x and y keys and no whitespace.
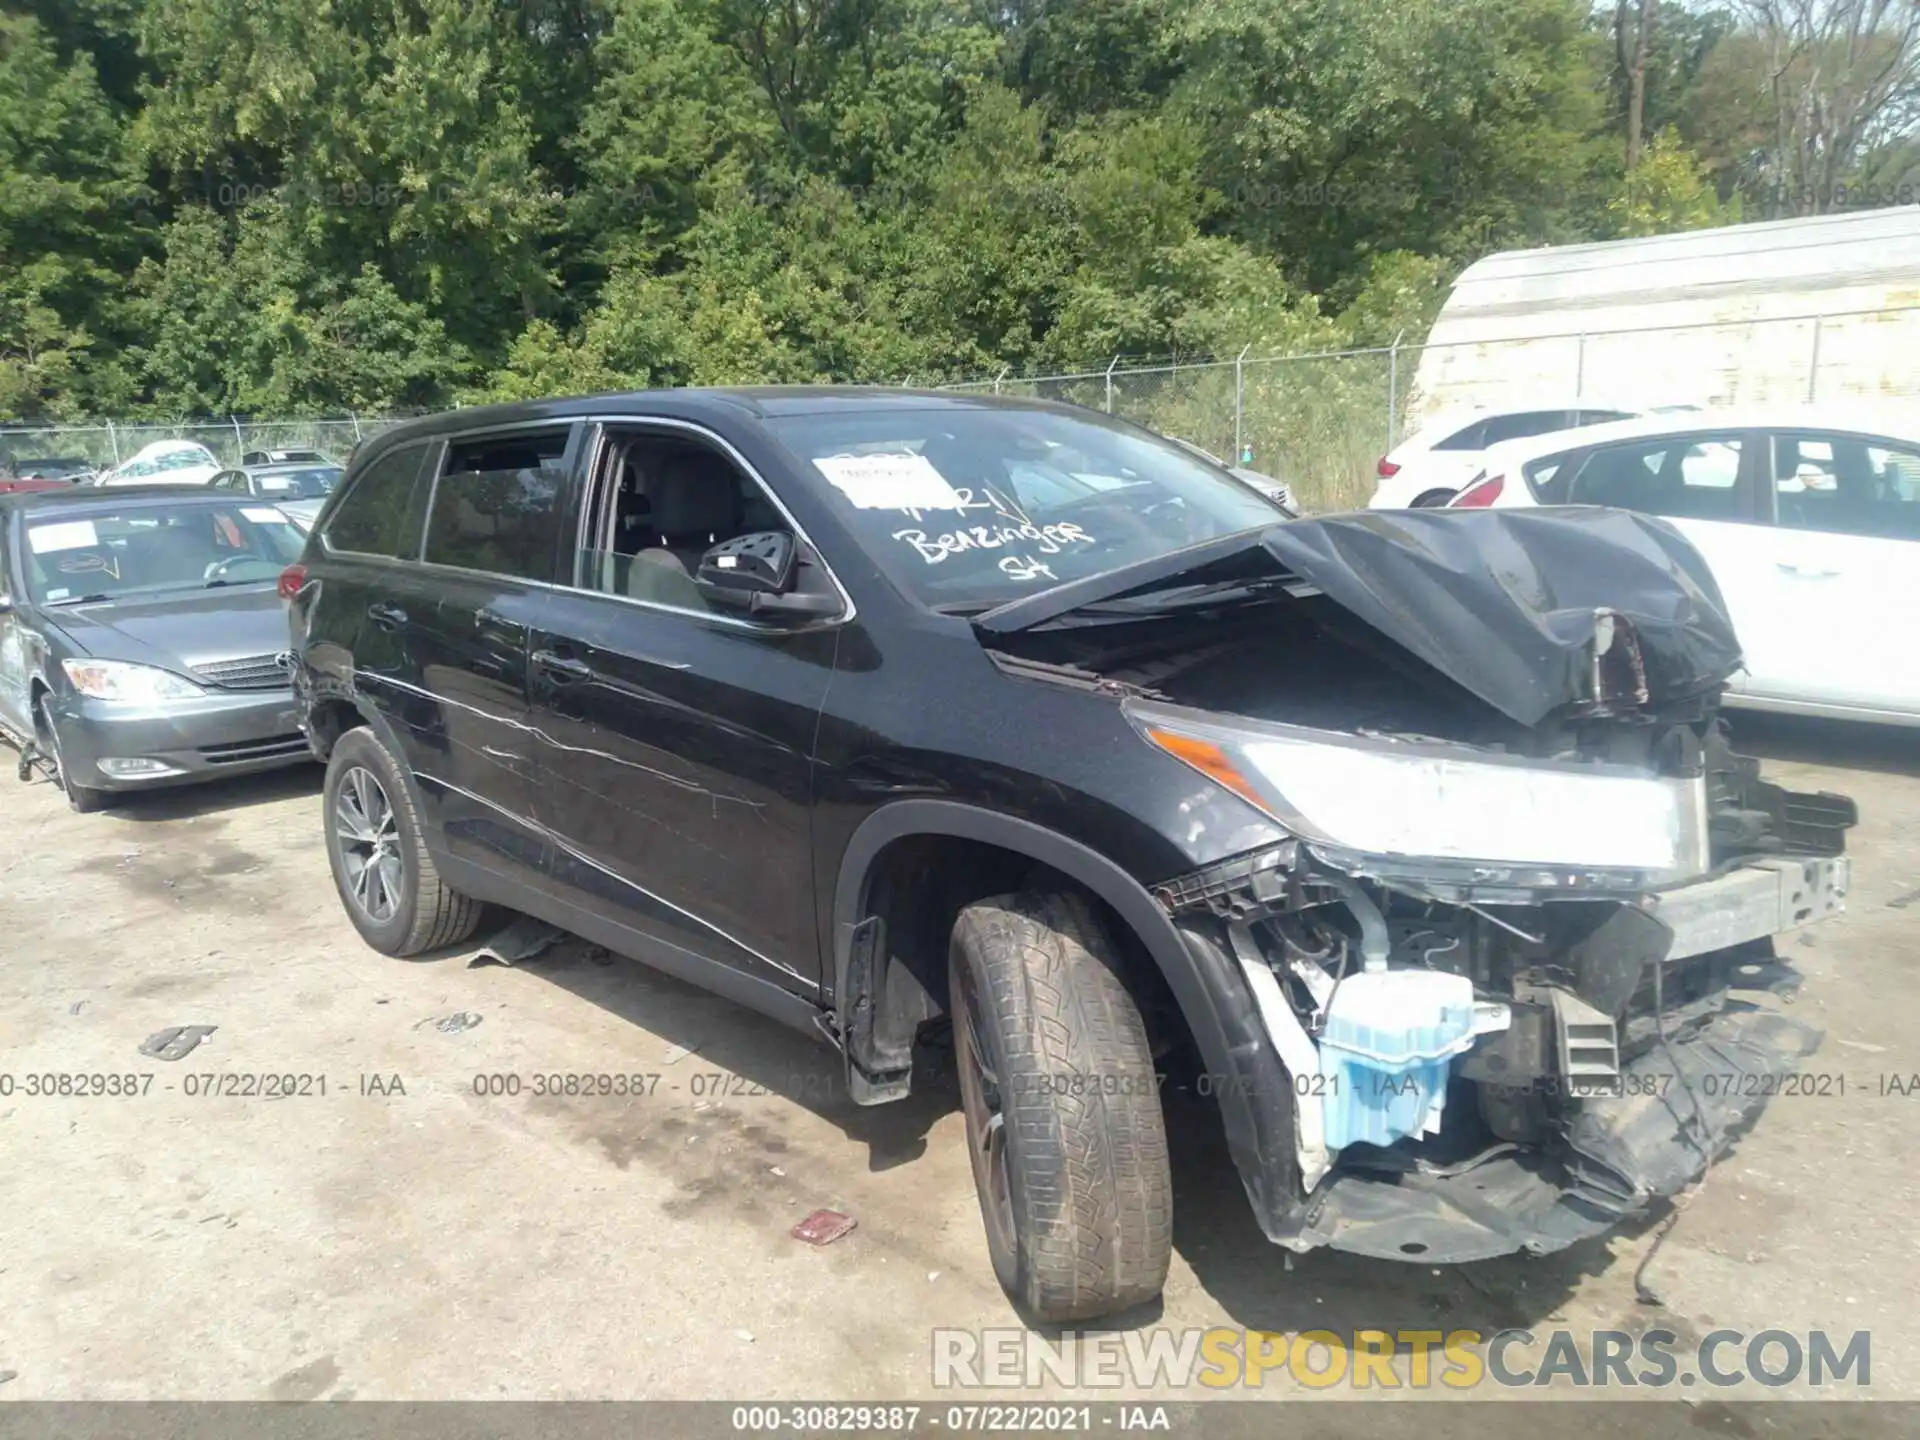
{"x":329,"y":714}
{"x":1203,"y":1000}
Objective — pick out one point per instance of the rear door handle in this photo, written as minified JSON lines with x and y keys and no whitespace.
{"x":1805,"y":572}
{"x":564,"y":669}
{"x":387,"y":617}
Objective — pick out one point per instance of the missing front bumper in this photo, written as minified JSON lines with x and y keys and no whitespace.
{"x":1683,"y":1101}
{"x":1577,"y":1157}
{"x":1756,"y":900}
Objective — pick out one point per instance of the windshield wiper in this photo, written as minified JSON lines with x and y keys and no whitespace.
{"x":1238,"y":555}
{"x":1187,"y":597}
{"x":80,"y":600}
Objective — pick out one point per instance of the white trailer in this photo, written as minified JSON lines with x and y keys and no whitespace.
{"x":1822,"y":308}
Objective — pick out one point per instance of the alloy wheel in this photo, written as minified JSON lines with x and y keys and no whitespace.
{"x":982,"y":1102}
{"x":369,"y":844}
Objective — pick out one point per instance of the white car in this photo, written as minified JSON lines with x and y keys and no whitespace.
{"x":1808,"y":516}
{"x":1430,"y":466}
{"x":165,"y":462}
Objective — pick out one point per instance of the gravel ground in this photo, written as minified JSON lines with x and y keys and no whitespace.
{"x":402,"y":1237}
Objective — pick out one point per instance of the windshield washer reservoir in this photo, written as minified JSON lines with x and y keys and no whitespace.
{"x":1389,"y":1041}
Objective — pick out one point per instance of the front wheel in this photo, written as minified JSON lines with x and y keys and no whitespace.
{"x":83,"y":800}
{"x":1062,"y":1106}
{"x":387,"y":881}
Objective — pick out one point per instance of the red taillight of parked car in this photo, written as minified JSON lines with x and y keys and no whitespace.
{"x":1386,"y":469}
{"x":292,"y":580}
{"x":1480,"y":495}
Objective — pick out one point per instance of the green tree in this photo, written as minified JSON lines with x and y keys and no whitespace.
{"x":237,"y":324}
{"x":69,"y":212}
{"x":220,"y":206}
{"x":1338,"y":129}
{"x":392,"y":135}
{"x":1669,"y":190}
{"x":1088,"y":57}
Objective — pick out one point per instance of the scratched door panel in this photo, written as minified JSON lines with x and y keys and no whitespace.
{"x":676,"y":777}
{"x":472,"y":727}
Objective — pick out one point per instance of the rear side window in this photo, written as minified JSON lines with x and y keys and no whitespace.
{"x":371,"y":518}
{"x":1549,"y":477}
{"x":1518,"y":427}
{"x":1467,"y":439}
{"x":1686,"y":477}
{"x":499,"y":503}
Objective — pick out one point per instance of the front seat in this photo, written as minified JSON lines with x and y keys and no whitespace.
{"x":694,"y":504}
{"x":173,"y":555}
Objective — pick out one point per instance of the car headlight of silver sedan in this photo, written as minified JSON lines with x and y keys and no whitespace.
{"x":119,"y":680}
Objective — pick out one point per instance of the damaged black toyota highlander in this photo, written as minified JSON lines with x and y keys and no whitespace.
{"x":882,"y":712}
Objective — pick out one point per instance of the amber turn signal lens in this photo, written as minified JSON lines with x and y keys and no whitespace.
{"x":1209,"y":759}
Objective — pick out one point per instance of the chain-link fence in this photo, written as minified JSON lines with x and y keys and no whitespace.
{"x":1321,"y":421}
{"x":108,"y":444}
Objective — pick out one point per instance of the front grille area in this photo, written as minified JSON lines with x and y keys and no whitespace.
{"x":274,"y":747}
{"x":250,"y":672}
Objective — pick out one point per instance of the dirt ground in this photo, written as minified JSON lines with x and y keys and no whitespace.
{"x":402,"y":1237}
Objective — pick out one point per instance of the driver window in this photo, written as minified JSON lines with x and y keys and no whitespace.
{"x":658,"y":504}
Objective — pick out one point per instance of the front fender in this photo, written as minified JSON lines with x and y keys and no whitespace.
{"x":1245,"y":1074}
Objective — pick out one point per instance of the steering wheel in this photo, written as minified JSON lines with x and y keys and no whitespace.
{"x":217,"y":570}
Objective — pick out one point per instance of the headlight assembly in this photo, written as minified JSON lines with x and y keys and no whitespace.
{"x":1421,"y":799}
{"x":130,"y":684}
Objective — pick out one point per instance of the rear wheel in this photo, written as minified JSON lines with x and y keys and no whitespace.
{"x":386,"y":879}
{"x":83,"y":799}
{"x":1062,"y":1106}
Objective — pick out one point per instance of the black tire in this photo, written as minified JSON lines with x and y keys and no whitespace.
{"x":1078,"y":1198}
{"x":80,"y":798}
{"x":1432,"y":499}
{"x":425,"y":912}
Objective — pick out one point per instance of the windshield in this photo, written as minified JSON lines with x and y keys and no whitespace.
{"x":310,"y":483}
{"x":969,"y":508}
{"x":180,"y":459}
{"x":153,"y":550}
{"x":53,"y":469}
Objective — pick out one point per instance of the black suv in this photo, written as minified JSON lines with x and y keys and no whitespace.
{"x":1412,"y":836}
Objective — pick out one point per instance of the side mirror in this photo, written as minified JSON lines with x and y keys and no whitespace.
{"x":761,"y":563}
{"x":6,"y":603}
{"x":755,"y":573}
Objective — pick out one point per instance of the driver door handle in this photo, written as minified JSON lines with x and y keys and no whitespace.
{"x":562,"y":669}
{"x":1805,"y":572}
{"x":387,"y":617}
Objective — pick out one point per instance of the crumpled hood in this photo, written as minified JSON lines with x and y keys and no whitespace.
{"x":1510,"y":605}
{"x":1508,"y":602}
